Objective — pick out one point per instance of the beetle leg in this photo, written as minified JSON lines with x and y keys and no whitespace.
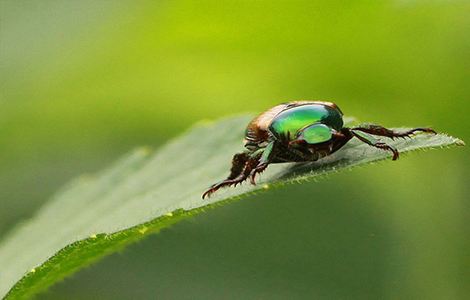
{"x":238,"y":163}
{"x":382,"y":131}
{"x":242,"y":165}
{"x":375,"y":143}
{"x":263,"y":162}
{"x":340,"y":138}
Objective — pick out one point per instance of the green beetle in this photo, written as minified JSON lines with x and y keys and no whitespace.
{"x":300,"y":131}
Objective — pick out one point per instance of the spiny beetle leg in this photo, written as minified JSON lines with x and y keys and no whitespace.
{"x":375,"y":143}
{"x":382,"y":131}
{"x":249,"y":165}
{"x":258,"y":170}
{"x":266,"y":157}
{"x":238,"y":164}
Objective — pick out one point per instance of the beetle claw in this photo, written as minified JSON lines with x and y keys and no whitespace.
{"x":258,"y":170}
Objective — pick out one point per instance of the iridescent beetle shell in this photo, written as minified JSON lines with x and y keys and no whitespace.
{"x":290,"y":119}
{"x":300,"y":131}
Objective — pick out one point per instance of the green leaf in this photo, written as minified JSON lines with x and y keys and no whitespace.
{"x":143,"y":193}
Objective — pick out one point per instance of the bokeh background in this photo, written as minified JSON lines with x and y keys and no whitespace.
{"x":83,"y":82}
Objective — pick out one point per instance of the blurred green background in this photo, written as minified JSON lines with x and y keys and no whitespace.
{"x":83,"y":82}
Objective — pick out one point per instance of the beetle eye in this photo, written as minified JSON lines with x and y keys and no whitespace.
{"x":316,"y":133}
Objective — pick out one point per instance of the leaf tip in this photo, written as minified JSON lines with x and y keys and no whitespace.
{"x":460,"y":142}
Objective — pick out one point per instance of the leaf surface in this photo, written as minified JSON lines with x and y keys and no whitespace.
{"x":144,"y":192}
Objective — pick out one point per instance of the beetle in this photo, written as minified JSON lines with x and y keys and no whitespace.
{"x":300,"y":131}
